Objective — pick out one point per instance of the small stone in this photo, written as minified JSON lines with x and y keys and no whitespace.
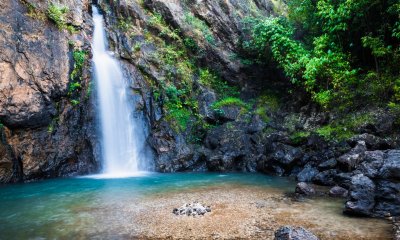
{"x":337,"y":191}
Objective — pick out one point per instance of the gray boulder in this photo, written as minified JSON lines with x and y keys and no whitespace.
{"x":362,"y":196}
{"x":351,"y":159}
{"x":294,"y":233}
{"x":391,"y":165}
{"x":337,"y":191}
{"x":307,"y":174}
{"x":304,"y":189}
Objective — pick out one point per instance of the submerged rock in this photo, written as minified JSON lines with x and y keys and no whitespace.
{"x":294,"y":233}
{"x":192,"y":209}
{"x":304,"y":189}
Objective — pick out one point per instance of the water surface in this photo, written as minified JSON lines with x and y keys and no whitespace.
{"x":125,"y":207}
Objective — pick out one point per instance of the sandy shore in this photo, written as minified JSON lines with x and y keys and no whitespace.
{"x":242,"y":212}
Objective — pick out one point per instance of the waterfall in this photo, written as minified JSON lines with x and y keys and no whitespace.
{"x":122,"y":134}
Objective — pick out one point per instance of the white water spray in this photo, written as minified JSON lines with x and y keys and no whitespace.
{"x":123,"y":136}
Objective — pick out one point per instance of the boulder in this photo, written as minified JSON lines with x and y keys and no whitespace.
{"x":350,"y":160}
{"x":372,"y":163}
{"x":362,"y":196}
{"x":391,"y":165}
{"x":294,"y":233}
{"x":326,"y":178}
{"x":329,"y":164}
{"x":372,"y":142}
{"x":285,"y":154}
{"x":304,"y":189}
{"x":307,"y":174}
{"x":337,"y":191}
{"x":387,"y":198}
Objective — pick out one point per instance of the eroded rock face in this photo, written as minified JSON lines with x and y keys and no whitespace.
{"x":43,"y":134}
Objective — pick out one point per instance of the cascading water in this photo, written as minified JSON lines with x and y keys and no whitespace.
{"x":123,"y":136}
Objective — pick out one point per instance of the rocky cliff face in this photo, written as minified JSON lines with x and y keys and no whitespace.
{"x":44,"y":133}
{"x":207,"y":108}
{"x":170,"y":43}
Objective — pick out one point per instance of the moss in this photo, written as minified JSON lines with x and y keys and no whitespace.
{"x":178,"y":115}
{"x":124,"y":24}
{"x":58,"y":14}
{"x":200,"y":28}
{"x":79,"y":57}
{"x":269,"y":100}
{"x":299,"y":137}
{"x":345,"y":127}
{"x":33,"y":11}
{"x":74,"y":102}
{"x":262,"y":113}
{"x":213,"y":81}
{"x":230,"y":101}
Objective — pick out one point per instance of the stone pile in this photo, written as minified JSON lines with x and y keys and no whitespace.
{"x":192,"y":209}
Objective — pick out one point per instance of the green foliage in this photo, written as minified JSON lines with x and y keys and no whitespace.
{"x":230,"y":101}
{"x":58,"y":14}
{"x":74,"y":86}
{"x":265,"y":103}
{"x":212,"y":80}
{"x":342,"y":44}
{"x":200,"y":28}
{"x":79,"y":57}
{"x":345,"y":127}
{"x":191,"y":44}
{"x":33,"y":11}
{"x":137,"y":47}
{"x":1,"y":125}
{"x":299,"y":137}
{"x":124,"y":24}
{"x":75,"y":102}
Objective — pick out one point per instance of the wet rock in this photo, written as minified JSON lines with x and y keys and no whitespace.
{"x":350,"y":160}
{"x":396,"y":228}
{"x":206,"y":98}
{"x":387,"y":198}
{"x":329,"y":164}
{"x":344,"y":179}
{"x":391,"y":165}
{"x":372,"y":142}
{"x":285,"y":154}
{"x":362,"y":196}
{"x":294,"y":233}
{"x":304,"y":189}
{"x":337,"y":191}
{"x":372,"y":163}
{"x":192,"y":209}
{"x":326,"y":178}
{"x":307,"y":174}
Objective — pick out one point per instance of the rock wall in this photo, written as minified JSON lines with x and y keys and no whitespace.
{"x":44,"y":134}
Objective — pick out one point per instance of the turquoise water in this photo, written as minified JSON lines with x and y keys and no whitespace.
{"x":73,"y":207}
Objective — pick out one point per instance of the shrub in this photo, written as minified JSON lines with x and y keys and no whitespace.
{"x":58,"y":14}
